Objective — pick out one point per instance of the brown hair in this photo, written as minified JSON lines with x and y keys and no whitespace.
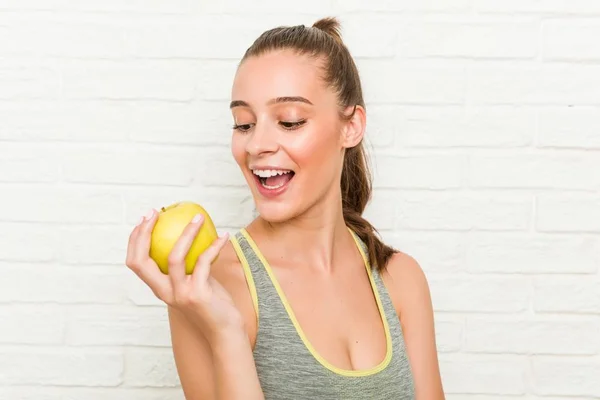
{"x":323,"y":40}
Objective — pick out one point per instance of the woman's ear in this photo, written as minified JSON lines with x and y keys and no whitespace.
{"x":354,"y":128}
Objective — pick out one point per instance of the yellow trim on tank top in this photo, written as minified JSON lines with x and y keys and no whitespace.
{"x":247,"y":272}
{"x":344,"y":372}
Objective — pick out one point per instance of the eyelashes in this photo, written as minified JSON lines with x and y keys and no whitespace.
{"x":287,"y":125}
{"x":242,"y":127}
{"x":292,"y":125}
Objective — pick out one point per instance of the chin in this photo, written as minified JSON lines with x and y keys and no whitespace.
{"x":275,"y":212}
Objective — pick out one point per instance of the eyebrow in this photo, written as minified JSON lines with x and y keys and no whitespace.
{"x":286,"y":99}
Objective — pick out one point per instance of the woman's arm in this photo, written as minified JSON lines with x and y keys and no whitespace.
{"x":225,"y":370}
{"x":410,"y":294}
{"x":193,"y":358}
{"x":209,"y":327}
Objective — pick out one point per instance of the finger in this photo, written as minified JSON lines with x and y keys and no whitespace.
{"x":144,"y":233}
{"x":202,"y":268}
{"x":131,"y":243}
{"x":145,"y":268}
{"x":180,"y":250}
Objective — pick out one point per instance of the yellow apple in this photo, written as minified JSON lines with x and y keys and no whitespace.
{"x":171,"y":222}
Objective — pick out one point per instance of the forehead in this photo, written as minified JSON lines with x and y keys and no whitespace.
{"x":277,"y":74}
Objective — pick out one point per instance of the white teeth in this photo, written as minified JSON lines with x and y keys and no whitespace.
{"x":266,"y":173}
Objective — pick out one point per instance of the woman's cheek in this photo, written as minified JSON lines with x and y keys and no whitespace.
{"x":237,"y":149}
{"x":311,"y":147}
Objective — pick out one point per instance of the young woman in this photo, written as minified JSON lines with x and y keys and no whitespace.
{"x":305,"y":302}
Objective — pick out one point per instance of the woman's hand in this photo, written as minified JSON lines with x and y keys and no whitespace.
{"x":198,"y":295}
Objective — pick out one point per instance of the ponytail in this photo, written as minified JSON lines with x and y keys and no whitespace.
{"x":356,"y":193}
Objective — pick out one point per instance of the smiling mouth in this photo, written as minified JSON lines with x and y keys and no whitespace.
{"x":273,"y":179}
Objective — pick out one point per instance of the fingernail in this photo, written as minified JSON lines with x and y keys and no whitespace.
{"x":149,"y":214}
{"x":197,"y":218}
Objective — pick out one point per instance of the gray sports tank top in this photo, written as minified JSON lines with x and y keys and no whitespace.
{"x":288,"y":366}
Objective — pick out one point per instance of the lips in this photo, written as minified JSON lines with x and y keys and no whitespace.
{"x":271,"y":182}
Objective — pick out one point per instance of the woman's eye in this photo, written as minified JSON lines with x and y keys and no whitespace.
{"x":292,"y":125}
{"x":242,"y":127}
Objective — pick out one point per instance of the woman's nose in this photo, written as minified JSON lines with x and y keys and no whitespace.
{"x":263,"y":139}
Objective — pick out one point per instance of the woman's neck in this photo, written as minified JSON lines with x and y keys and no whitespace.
{"x":311,"y":239}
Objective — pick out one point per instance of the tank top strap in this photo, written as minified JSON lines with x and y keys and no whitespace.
{"x":259,"y":283}
{"x":382,"y":295}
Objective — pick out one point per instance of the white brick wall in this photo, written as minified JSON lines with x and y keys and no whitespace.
{"x":484,"y":124}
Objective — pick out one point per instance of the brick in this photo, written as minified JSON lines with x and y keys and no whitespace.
{"x":67,"y":5}
{"x":430,"y":172}
{"x":568,"y":213}
{"x":402,"y":6}
{"x":484,"y":374}
{"x":380,"y":211}
{"x":194,"y":123}
{"x":91,"y":393}
{"x":45,"y":121}
{"x":28,"y":243}
{"x":566,"y":294}
{"x":492,"y":40}
{"x":268,"y":8}
{"x":447,"y":257}
{"x":92,"y":325}
{"x":32,"y":324}
{"x":21,"y":82}
{"x":534,"y":85}
{"x":221,"y":160}
{"x":36,"y":37}
{"x":461,"y":212}
{"x":538,"y":6}
{"x":112,"y":80}
{"x":469,"y":127}
{"x":213,"y":80}
{"x":533,"y":335}
{"x":569,"y":40}
{"x":532,"y":254}
{"x":150,"y":368}
{"x":464,"y":396}
{"x":469,"y":293}
{"x":34,"y":164}
{"x":129,"y":166}
{"x":185,"y":39}
{"x":566,"y":376}
{"x":42,"y":283}
{"x":383,"y":125}
{"x":67,"y":205}
{"x":228,"y":207}
{"x":139,"y":293}
{"x":571,"y":127}
{"x":379,"y":41}
{"x":535,"y":171}
{"x":61,"y":366}
{"x":420,"y":84}
{"x":80,"y":245}
{"x":449,"y":334}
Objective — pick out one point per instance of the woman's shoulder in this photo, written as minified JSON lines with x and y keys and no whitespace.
{"x":409,"y":290}
{"x":406,"y":283}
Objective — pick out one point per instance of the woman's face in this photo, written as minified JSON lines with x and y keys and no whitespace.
{"x":288,"y":137}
